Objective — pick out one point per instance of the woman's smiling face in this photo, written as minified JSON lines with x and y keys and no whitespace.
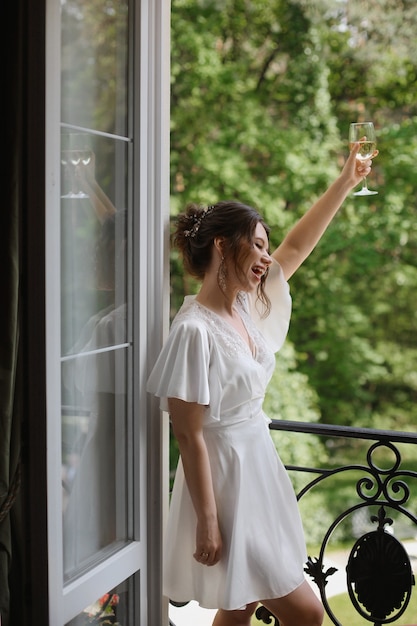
{"x":261,"y":259}
{"x":253,"y":262}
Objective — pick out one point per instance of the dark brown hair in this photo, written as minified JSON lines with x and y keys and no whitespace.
{"x":197,"y":228}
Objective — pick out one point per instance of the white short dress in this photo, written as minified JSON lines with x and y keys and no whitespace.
{"x":205,"y":360}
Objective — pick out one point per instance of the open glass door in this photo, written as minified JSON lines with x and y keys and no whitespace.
{"x":99,"y":282}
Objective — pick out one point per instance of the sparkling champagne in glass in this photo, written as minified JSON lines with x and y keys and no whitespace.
{"x":364,"y":134}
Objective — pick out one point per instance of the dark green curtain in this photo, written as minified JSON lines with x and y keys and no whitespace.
{"x":10,"y":372}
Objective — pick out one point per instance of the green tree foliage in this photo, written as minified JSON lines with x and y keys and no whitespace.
{"x":262,"y":96}
{"x":244,"y":87}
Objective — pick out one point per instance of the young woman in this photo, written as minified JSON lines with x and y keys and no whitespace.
{"x":234,"y":535}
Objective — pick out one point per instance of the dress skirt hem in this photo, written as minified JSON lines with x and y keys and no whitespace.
{"x":205,"y":605}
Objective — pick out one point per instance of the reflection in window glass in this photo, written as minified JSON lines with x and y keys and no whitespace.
{"x":93,"y":236}
{"x":96,"y":352}
{"x":95,"y":347}
{"x":114,"y":607}
{"x":94,"y":64}
{"x":94,"y":473}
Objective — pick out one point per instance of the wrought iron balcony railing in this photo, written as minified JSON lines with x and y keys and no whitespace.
{"x":378,"y":575}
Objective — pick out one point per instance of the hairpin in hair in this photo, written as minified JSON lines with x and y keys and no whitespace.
{"x":197,"y":219}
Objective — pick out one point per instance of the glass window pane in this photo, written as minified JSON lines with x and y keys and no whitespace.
{"x":95,"y":348}
{"x":93,"y":239}
{"x":94,"y":436}
{"x":94,"y":64}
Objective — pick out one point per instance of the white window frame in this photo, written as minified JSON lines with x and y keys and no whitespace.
{"x":151,"y":269}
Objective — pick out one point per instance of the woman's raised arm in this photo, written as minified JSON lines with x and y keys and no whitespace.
{"x":304,"y":236}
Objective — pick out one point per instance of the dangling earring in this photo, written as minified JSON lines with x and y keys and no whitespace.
{"x":222,"y":275}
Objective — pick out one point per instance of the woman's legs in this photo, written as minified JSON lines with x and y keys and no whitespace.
{"x":235,"y":618}
{"x":299,"y":608}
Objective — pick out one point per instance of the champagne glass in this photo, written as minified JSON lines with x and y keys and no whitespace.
{"x":75,"y":155}
{"x":364,"y":134}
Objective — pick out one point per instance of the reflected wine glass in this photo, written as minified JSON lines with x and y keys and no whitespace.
{"x":75,"y":156}
{"x":71,"y":161}
{"x":364,"y":134}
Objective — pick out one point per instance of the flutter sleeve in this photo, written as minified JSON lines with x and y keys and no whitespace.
{"x":274,"y":327}
{"x":182,"y":368}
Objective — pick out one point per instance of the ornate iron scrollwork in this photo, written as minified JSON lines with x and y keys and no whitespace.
{"x":379,"y":574}
{"x":315,"y":570}
{"x":265,"y":616}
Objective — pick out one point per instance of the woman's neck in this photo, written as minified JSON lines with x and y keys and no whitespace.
{"x":211,"y":296}
{"x":214,"y":299}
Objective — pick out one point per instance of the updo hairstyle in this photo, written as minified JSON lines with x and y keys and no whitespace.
{"x":197,"y":228}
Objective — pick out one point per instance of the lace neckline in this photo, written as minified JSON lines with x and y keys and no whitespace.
{"x":250,"y":345}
